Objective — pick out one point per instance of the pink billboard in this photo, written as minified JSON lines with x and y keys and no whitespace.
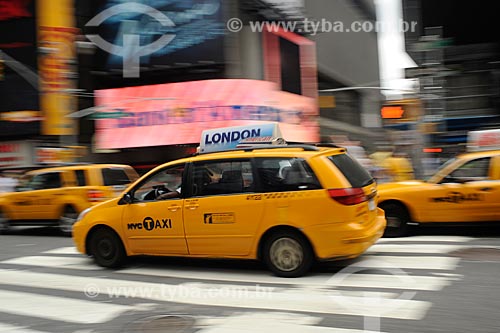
{"x":177,"y":113}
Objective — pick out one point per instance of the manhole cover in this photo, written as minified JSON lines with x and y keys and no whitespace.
{"x":480,"y":254}
{"x":163,"y":324}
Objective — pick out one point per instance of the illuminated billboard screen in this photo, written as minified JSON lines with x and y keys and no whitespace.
{"x":18,"y":49}
{"x":196,"y":29}
{"x":177,"y":113}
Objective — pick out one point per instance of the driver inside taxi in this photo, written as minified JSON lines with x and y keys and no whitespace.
{"x":169,"y":195}
{"x":165,"y":192}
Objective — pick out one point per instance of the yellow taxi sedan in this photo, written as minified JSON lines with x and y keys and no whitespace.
{"x":465,"y":189}
{"x":286,"y":205}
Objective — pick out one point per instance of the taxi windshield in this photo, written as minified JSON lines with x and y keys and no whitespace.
{"x":440,"y":169}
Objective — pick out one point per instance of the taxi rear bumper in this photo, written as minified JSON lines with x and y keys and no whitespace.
{"x":345,"y":240}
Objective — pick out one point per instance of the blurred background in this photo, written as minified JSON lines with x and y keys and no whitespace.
{"x":414,"y":91}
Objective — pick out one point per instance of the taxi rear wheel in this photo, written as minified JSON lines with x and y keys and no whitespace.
{"x":67,"y":219}
{"x":4,"y":223}
{"x":287,"y":254}
{"x":397,"y":219}
{"x":107,"y":248}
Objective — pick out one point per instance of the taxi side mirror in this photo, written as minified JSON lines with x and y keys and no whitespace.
{"x":126,"y":199}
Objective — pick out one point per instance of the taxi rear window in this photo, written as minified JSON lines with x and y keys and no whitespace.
{"x":352,"y":170}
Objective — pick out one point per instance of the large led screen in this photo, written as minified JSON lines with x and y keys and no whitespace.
{"x":177,"y":113}
{"x":195,"y":28}
{"x":18,"y":64}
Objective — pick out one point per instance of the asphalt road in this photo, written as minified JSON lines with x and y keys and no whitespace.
{"x":438,"y":280}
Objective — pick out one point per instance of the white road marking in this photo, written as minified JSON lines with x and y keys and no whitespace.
{"x":79,"y":263}
{"x":413,"y":248}
{"x":268,"y":322}
{"x":397,"y":262}
{"x":355,"y":280}
{"x":427,"y":283}
{"x":6,"y":328}
{"x":64,"y":250}
{"x":437,"y":239}
{"x":59,"y":308}
{"x":226,"y":296}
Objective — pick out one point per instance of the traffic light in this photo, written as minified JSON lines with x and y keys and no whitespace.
{"x":392,"y":111}
{"x":401,"y":111}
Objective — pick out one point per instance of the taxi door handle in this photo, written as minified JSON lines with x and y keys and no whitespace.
{"x":192,"y":206}
{"x":486,"y":189}
{"x":174,"y":208}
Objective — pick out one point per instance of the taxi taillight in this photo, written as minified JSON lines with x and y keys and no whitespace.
{"x":95,"y":195}
{"x":348,"y":196}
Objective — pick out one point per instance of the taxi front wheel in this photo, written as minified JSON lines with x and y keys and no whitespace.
{"x":107,"y":248}
{"x":288,"y":254}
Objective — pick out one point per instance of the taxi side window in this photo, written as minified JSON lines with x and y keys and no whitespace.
{"x":161,"y":182}
{"x":472,"y":170}
{"x":45,"y":181}
{"x":285,"y":174}
{"x":222,"y":177}
{"x":80,"y":178}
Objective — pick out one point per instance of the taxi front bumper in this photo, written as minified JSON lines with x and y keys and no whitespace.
{"x":79,"y":238}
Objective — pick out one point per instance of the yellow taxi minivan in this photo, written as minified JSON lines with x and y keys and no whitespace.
{"x":54,"y":196}
{"x":464,"y":189}
{"x":287,"y":205}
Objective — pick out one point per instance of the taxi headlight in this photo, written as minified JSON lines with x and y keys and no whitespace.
{"x":83,"y":213}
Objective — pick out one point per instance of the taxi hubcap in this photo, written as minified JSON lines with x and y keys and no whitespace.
{"x":66,"y":221}
{"x":105,"y":248}
{"x":286,"y":254}
{"x":393,"y":221}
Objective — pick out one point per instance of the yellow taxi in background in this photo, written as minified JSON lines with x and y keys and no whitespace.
{"x":54,"y":196}
{"x":465,"y":189}
{"x":286,"y":205}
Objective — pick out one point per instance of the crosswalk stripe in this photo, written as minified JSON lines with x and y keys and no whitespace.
{"x":309,"y":301}
{"x":367,"y":281}
{"x":63,"y":250}
{"x":269,"y":322}
{"x":413,"y":248}
{"x":384,"y":262}
{"x":78,"y":263}
{"x":415,"y":262}
{"x":6,"y":328}
{"x":423,"y":283}
{"x":58,"y":308}
{"x":416,"y":239}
